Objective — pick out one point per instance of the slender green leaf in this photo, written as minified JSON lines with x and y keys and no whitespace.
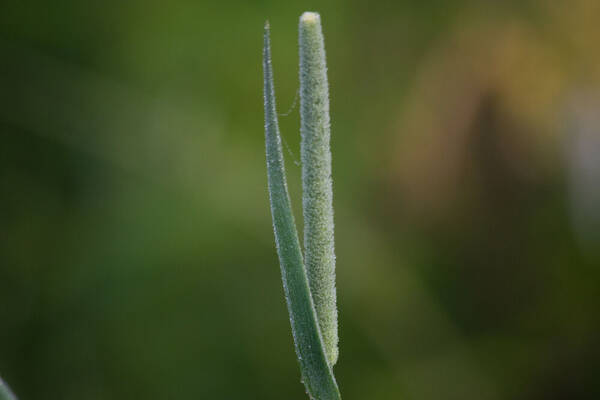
{"x":316,"y":372}
{"x":317,"y":194}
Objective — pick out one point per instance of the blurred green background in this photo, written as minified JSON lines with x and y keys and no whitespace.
{"x":137,"y":259}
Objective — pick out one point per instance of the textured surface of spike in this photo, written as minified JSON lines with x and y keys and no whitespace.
{"x":317,"y":200}
{"x":316,"y":372}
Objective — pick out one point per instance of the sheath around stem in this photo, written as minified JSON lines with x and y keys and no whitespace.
{"x":317,"y":194}
{"x":316,"y":372}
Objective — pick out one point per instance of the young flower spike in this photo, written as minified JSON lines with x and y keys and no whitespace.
{"x":317,"y":193}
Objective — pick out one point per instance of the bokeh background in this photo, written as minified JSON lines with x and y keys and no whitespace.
{"x":136,"y":252}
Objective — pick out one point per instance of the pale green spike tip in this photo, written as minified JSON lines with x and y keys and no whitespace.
{"x":309,"y":17}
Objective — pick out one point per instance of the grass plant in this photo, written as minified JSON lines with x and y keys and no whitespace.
{"x":309,"y":278}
